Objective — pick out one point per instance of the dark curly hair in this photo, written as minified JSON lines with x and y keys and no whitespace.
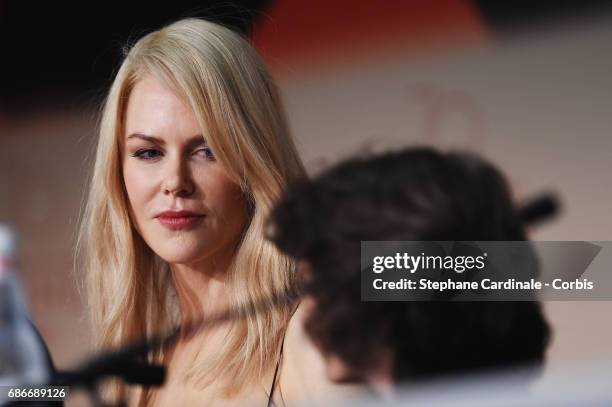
{"x":414,"y":194}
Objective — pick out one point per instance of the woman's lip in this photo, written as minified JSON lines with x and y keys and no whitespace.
{"x":177,"y":214}
{"x":180,"y":222}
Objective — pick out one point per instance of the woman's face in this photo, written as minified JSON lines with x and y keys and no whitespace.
{"x":182,"y":202}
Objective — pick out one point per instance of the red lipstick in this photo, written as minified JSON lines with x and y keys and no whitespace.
{"x":179,"y":219}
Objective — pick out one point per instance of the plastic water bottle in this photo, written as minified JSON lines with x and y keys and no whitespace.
{"x":22,"y":358}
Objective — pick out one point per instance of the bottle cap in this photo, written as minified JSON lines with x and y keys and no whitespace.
{"x":8,"y":244}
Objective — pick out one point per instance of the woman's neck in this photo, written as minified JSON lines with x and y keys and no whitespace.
{"x":202,"y":288}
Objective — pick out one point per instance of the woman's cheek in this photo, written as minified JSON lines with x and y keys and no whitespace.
{"x":139,"y":190}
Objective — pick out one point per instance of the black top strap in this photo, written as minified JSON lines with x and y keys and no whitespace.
{"x":273,"y":386}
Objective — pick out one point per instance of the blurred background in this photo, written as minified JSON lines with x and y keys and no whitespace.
{"x":525,"y":84}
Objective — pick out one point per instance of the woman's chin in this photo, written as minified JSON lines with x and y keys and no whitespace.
{"x":187,"y":257}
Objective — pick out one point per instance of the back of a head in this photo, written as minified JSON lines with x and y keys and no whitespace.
{"x":415,"y":194}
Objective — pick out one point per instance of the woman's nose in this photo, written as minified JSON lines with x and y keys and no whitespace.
{"x":177,"y":177}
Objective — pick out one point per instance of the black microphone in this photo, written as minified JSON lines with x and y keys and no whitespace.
{"x":125,"y":363}
{"x":132,"y":372}
{"x":145,"y":374}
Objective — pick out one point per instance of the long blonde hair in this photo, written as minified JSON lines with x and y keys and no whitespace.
{"x":236,"y":101}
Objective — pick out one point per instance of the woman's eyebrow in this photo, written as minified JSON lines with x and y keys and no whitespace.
{"x":146,"y":138}
{"x":195,"y":140}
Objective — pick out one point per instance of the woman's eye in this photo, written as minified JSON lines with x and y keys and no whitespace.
{"x":206,"y":153}
{"x":147,"y":154}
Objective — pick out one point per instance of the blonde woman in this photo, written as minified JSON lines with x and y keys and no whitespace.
{"x":193,"y":151}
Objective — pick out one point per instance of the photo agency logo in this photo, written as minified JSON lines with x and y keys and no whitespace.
{"x":485,"y":271}
{"x":412,"y":263}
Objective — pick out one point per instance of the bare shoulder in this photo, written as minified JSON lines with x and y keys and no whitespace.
{"x":302,"y":379}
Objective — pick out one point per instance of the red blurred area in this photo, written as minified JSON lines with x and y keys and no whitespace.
{"x":300,"y":35}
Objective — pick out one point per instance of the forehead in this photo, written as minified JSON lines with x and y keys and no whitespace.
{"x":155,"y":109}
